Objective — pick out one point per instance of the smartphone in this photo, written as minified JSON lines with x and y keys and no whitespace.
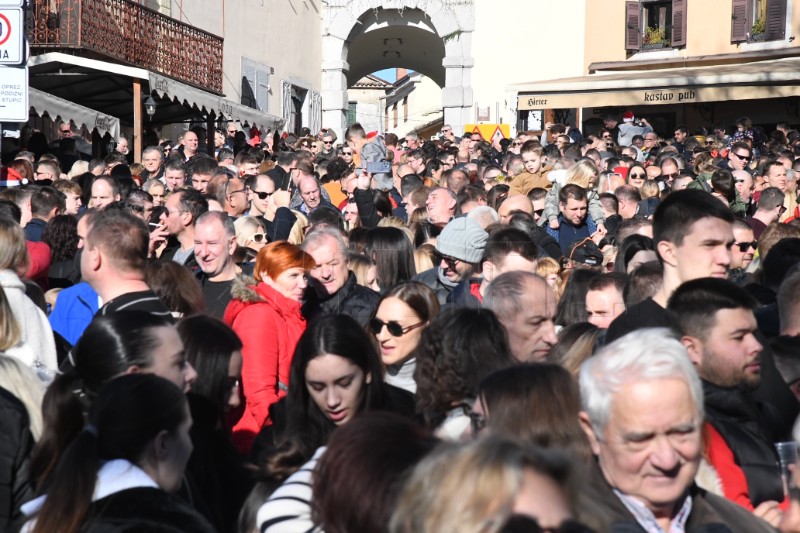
{"x":379,"y":167}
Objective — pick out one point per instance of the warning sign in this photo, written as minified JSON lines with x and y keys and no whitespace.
{"x":13,"y":94}
{"x":12,"y":33}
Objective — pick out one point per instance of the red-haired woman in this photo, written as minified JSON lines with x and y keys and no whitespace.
{"x":265,"y":313}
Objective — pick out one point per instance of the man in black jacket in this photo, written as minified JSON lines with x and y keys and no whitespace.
{"x":335,"y":288}
{"x":716,"y":324}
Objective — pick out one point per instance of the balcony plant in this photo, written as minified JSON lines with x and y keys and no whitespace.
{"x":654,"y":38}
{"x":759,"y":31}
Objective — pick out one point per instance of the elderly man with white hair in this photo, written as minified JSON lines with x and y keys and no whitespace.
{"x":642,"y":410}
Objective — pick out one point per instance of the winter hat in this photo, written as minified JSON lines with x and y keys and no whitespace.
{"x":462,"y":238}
{"x":627,"y":116}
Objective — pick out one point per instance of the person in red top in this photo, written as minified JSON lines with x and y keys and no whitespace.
{"x":265,"y":313}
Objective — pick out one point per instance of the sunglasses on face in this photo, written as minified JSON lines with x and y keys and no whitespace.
{"x":671,"y":176}
{"x":395,"y":329}
{"x":638,"y":176}
{"x":347,"y":153}
{"x":258,"y":237}
{"x":742,"y":157}
{"x":516,"y":144}
{"x":450,"y":261}
{"x":64,"y":131}
{"x":538,"y":212}
{"x":263,"y":195}
{"x":327,"y":142}
{"x":744,"y":246}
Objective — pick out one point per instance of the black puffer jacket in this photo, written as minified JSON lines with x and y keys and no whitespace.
{"x":739,"y":419}
{"x":16,"y":443}
{"x":352,"y":300}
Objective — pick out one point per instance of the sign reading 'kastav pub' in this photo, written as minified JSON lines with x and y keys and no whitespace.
{"x":655,"y":96}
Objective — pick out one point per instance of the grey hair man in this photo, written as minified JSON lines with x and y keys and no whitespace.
{"x":214,"y":244}
{"x":770,"y":208}
{"x":526,"y":306}
{"x":642,"y":410}
{"x":336,"y":290}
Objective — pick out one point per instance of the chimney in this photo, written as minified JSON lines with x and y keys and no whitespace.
{"x":401,"y":73}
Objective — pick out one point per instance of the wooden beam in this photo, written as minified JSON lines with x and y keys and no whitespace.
{"x":137,"y":120}
{"x":210,"y":130}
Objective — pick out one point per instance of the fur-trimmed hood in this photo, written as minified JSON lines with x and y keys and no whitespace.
{"x":246,"y":291}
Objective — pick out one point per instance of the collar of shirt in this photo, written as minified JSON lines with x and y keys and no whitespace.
{"x":647,"y":519}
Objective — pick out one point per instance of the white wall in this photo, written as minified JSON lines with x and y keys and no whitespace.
{"x":285,"y":35}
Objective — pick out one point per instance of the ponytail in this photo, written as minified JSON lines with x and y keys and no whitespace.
{"x":70,"y":492}
{"x":63,"y":414}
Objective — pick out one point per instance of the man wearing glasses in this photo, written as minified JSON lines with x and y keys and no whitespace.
{"x":650,"y":142}
{"x":64,"y":130}
{"x":448,"y":135}
{"x":739,"y":156}
{"x":230,"y":139}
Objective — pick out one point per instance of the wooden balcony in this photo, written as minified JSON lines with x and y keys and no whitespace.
{"x":126,"y":32}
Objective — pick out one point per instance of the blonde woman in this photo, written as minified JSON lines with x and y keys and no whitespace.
{"x":584,"y":173}
{"x":549,"y":269}
{"x":250,"y":233}
{"x":22,"y":382}
{"x":36,"y":346}
{"x":477,"y":487}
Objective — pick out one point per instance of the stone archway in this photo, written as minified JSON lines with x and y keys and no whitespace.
{"x":433,"y":37}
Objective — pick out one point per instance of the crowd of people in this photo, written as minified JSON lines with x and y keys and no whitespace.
{"x":553,"y":332}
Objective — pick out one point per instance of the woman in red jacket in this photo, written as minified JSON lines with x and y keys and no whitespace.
{"x":265,"y":313}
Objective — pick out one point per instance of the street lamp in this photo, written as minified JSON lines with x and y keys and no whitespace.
{"x":150,"y":107}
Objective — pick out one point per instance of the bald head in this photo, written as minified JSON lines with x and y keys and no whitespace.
{"x":610,"y":182}
{"x":743,"y":182}
{"x":515,"y":202}
{"x":404,"y":170}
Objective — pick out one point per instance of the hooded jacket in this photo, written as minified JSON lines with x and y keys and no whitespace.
{"x":269,"y":325}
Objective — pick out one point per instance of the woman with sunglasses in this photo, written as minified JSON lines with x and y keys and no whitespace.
{"x":250,"y":233}
{"x":637,"y":175}
{"x":265,"y":314}
{"x":400,"y":318}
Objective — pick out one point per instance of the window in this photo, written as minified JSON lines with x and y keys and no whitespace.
{"x":405,"y":109}
{"x":394,"y":114}
{"x":255,"y":84}
{"x":386,"y":119}
{"x":654,"y":24}
{"x":352,"y":116}
{"x":758,"y":20}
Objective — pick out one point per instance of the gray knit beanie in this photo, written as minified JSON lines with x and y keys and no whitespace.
{"x":462,"y":238}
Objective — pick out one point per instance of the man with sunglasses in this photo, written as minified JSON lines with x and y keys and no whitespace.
{"x":770,"y":208}
{"x":742,"y":253}
{"x":459,"y":251}
{"x":739,"y":156}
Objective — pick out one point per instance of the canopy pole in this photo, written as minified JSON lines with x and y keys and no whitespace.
{"x":210,"y":131}
{"x":579,"y":119}
{"x":137,"y":120}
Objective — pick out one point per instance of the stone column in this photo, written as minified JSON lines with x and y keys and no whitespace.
{"x":457,"y":93}
{"x":334,"y":85}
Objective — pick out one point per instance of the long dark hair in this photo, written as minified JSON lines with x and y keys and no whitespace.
{"x":307,"y":428}
{"x":209,"y":344}
{"x":110,"y":345}
{"x":61,"y":235}
{"x":392,"y":254}
{"x":125,"y":418}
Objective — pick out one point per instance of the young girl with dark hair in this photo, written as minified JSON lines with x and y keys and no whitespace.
{"x":123,"y":465}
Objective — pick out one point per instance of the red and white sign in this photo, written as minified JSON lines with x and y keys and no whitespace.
{"x":12,"y":33}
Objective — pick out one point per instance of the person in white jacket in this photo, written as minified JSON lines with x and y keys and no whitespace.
{"x":37,"y":347}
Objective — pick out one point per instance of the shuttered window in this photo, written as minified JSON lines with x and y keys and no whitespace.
{"x":654,"y":24}
{"x":758,"y":20}
{"x":255,"y":85}
{"x":352,"y":113}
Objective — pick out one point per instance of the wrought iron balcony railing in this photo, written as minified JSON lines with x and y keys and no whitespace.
{"x":129,"y":33}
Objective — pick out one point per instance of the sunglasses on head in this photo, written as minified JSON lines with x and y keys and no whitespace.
{"x":395,"y":329}
{"x":263,"y":195}
{"x":744,"y":246}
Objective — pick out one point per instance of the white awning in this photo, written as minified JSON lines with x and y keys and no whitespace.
{"x":775,"y":78}
{"x":210,"y":103}
{"x":106,"y":86}
{"x":59,"y":109}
